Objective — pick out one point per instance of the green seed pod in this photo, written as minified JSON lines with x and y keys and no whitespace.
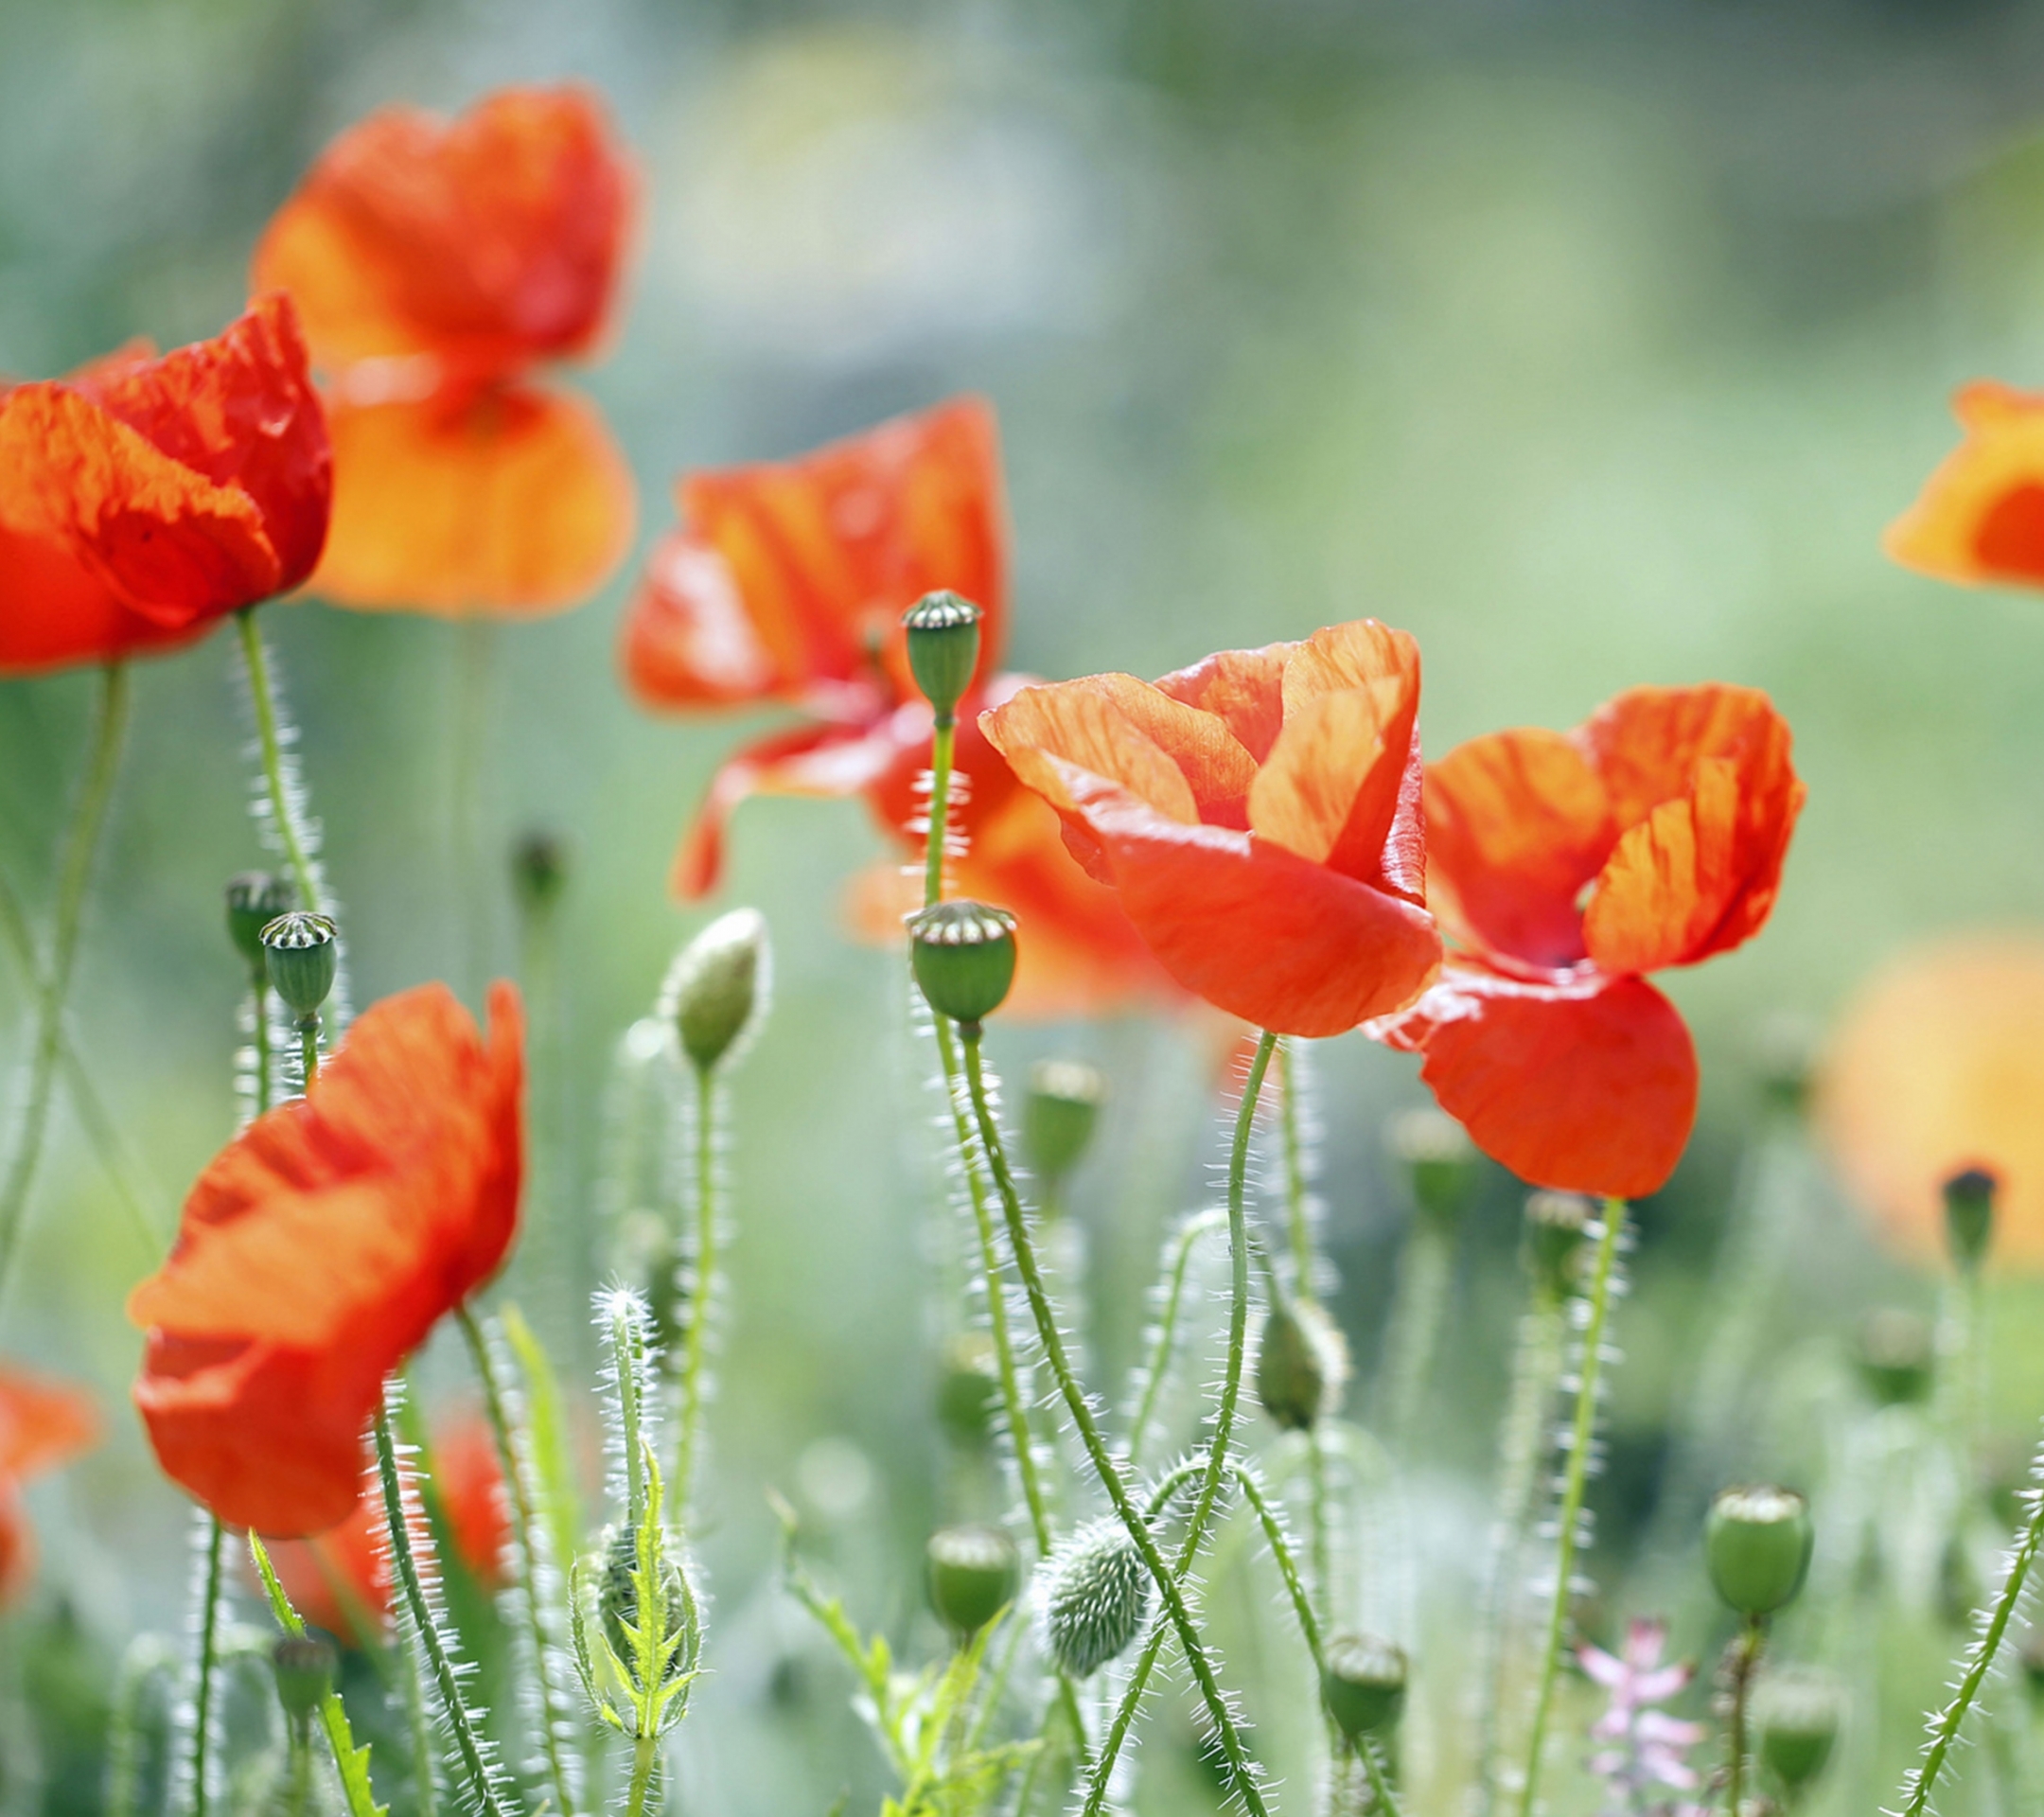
{"x":1970,"y":1208}
{"x":302,"y":951}
{"x":1096,"y":1593}
{"x":1303,"y":1361}
{"x":944,"y":646}
{"x":538,"y":870}
{"x":964,"y":958}
{"x":1552,"y":1244}
{"x":717,"y":985}
{"x":1797,"y":1712}
{"x":974,"y":1574}
{"x":1897,"y":1356}
{"x":618,"y":1603}
{"x":1364,"y":1685}
{"x":254,"y":899}
{"x":1756,"y":1543}
{"x":1439,"y":1159}
{"x":1059,"y":1114}
{"x":304,"y":1664}
{"x":968,"y":1389}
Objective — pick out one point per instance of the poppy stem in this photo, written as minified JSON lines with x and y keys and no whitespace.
{"x":1305,"y":1283}
{"x":944,"y":740}
{"x":702,"y":1298}
{"x":1745,"y":1659}
{"x":74,"y":876}
{"x":309,"y":1049}
{"x":1576,"y":1478}
{"x":283,"y":808}
{"x":1168,"y":1578}
{"x":1157,"y":1367}
{"x":645,"y":1755}
{"x":197,"y":1768}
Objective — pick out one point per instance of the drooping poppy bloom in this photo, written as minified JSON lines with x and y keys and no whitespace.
{"x":41,"y":1423}
{"x":785,"y":585}
{"x":1980,"y":517}
{"x":145,"y":497}
{"x":1938,"y":1066}
{"x":318,"y":1250}
{"x":1565,"y":866}
{"x":1258,"y":816}
{"x":436,"y":264}
{"x":340,"y":1579}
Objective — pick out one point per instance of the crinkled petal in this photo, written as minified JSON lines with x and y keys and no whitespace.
{"x":688,"y":639}
{"x":513,"y":501}
{"x":1587,"y":1086}
{"x":1980,"y":517}
{"x":1066,"y":738}
{"x":56,"y":612}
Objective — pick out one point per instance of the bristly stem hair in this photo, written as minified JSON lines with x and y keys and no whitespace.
{"x":702,"y":1298}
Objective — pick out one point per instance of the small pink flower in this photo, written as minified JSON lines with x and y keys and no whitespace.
{"x":1650,"y":1744}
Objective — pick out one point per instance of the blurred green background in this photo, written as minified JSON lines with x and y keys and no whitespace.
{"x":1593,"y":343}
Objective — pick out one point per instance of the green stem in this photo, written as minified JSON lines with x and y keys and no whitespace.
{"x":284,"y":817}
{"x":1745,"y":1658}
{"x":1415,"y":1326}
{"x":1298,"y":1219}
{"x":1168,"y":1580}
{"x":645,"y":1755}
{"x":943,"y":737}
{"x":477,"y":646}
{"x":262,"y":1041}
{"x":74,"y":876}
{"x":309,"y":1049}
{"x":1167,"y":1332}
{"x":298,"y":1794}
{"x":461,"y":1724}
{"x":696,"y":1341}
{"x":198,"y":1764}
{"x":1574,"y":1482}
{"x":525,"y":1529}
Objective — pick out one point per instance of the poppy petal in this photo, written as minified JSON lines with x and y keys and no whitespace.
{"x":688,"y":641}
{"x":1583,"y":1087}
{"x":1243,"y":687}
{"x":512,"y":501}
{"x":1980,"y":517}
{"x":1066,"y":738}
{"x":43,"y":1421}
{"x":54,"y":612}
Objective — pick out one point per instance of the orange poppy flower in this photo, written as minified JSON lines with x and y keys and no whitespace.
{"x":1257,"y":816}
{"x":787,"y":584}
{"x":41,"y":1423}
{"x":1936,"y":1066}
{"x":144,"y":497}
{"x":1563,"y":867}
{"x":318,"y":1249}
{"x":1980,"y":518}
{"x":340,"y":1579}
{"x":435,"y":264}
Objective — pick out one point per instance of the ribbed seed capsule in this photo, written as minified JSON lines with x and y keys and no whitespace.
{"x":944,"y":646}
{"x":1897,"y":1356}
{"x":302,"y":952}
{"x":1095,"y":1595}
{"x":1757,"y":1543}
{"x":973,"y":1575}
{"x":1440,"y":1158}
{"x":1553,"y":1239}
{"x":254,"y":899}
{"x":1797,"y":1712}
{"x":964,"y":958}
{"x":1059,"y":1114}
{"x":1364,"y":1685}
{"x":968,"y":1389}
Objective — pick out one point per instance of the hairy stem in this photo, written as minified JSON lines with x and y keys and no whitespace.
{"x":198,"y":1763}
{"x":284,"y":815}
{"x":350,"y":1762}
{"x":645,"y":1755}
{"x":1745,"y":1660}
{"x":696,"y":1340}
{"x":943,"y":738}
{"x":1159,"y":1364}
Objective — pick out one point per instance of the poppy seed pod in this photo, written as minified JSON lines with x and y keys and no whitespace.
{"x":538,"y":870}
{"x":618,"y":1602}
{"x":1363,"y":1683}
{"x":944,"y":648}
{"x":1440,"y":1158}
{"x":1059,"y":1114}
{"x":302,"y":952}
{"x":304,"y":1664}
{"x":717,"y":985}
{"x":1797,"y":1712}
{"x":1969,"y":1207}
{"x":964,"y":958}
{"x":1095,"y":1595}
{"x":254,"y":899}
{"x":974,"y":1574}
{"x":1303,"y":1361}
{"x":1554,"y":1225}
{"x":968,"y":1390}
{"x":1897,"y":1356}
{"x":1756,"y":1543}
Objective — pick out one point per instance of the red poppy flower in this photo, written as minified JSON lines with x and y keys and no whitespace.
{"x":318,"y":1249}
{"x":143,"y":497}
{"x":1981,"y":517}
{"x":1563,"y":867}
{"x":340,"y":1579}
{"x":435,"y":264}
{"x":41,"y":1423}
{"x":1257,"y":816}
{"x":787,"y":583}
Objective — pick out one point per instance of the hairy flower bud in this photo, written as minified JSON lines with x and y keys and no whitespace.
{"x":254,"y":899}
{"x":1969,"y":1209}
{"x":716,"y":984}
{"x":1897,"y":1356}
{"x":1552,"y":1244}
{"x":1797,"y":1713}
{"x":1364,"y":1684}
{"x":305,"y":1666}
{"x":302,"y":952}
{"x":1439,"y":1159}
{"x":974,"y":1574}
{"x":964,"y":958}
{"x":1096,"y":1593}
{"x":1058,"y":1116}
{"x":1303,"y":1361}
{"x":618,"y":1603}
{"x":944,"y":646}
{"x":1756,"y":1543}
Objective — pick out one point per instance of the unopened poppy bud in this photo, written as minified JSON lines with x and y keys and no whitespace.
{"x":968,"y":1390}
{"x":974,"y":1574}
{"x":1756,"y":1543}
{"x":964,"y":958}
{"x":304,"y":1664}
{"x":1970,"y":1206}
{"x":1552,"y":1244}
{"x":1301,"y":1364}
{"x":1797,"y":1712}
{"x":944,"y":648}
{"x":302,"y":952}
{"x":1096,"y":1593}
{"x":1896,"y":1356}
{"x":1438,"y":1156}
{"x":538,"y":870}
{"x":716,"y":984}
{"x":1058,"y":1116}
{"x":254,"y":899}
{"x":1364,"y":1684}
{"x":618,"y":1603}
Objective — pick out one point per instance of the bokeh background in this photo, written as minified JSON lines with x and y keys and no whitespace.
{"x":1593,"y":343}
